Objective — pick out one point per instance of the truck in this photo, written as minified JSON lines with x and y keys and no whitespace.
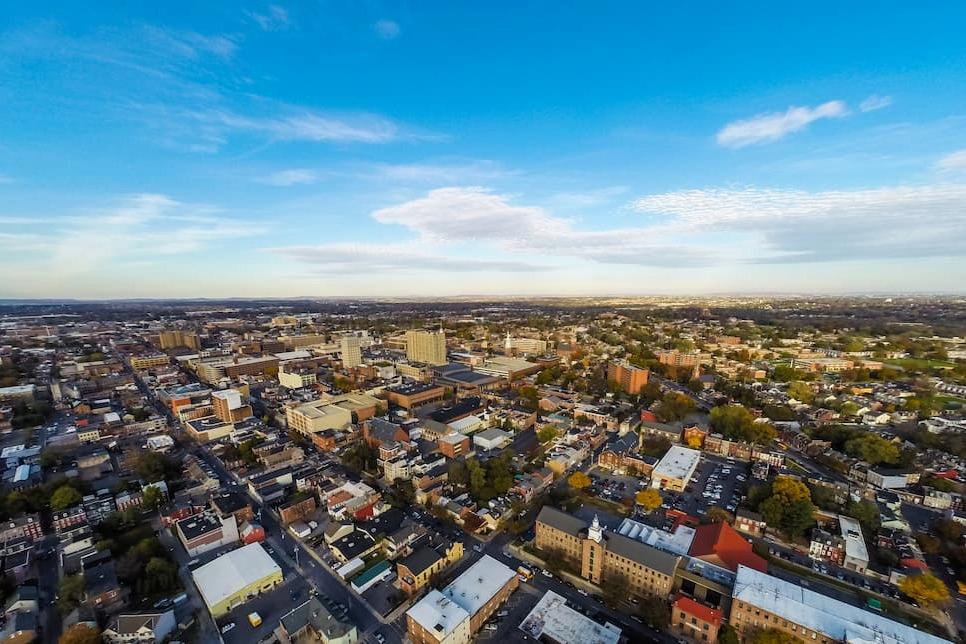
{"x":180,"y":599}
{"x":525,"y":574}
{"x":254,"y":619}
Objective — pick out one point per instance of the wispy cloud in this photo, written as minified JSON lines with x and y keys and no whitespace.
{"x":953,"y":162}
{"x":801,"y":226}
{"x":774,"y":126}
{"x":387,"y":29}
{"x":293,"y":177}
{"x":275,"y":18}
{"x":355,"y":258}
{"x":875,"y":102}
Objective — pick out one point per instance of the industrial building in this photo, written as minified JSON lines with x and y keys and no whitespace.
{"x":235,"y":577}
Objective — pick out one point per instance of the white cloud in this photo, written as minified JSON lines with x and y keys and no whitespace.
{"x":796,"y":225}
{"x":442,"y":172}
{"x":363,"y":258}
{"x":293,"y":177}
{"x":953,"y":162}
{"x":275,"y":18}
{"x":308,"y":126}
{"x":387,"y":29}
{"x":771,"y":127}
{"x":875,"y":102}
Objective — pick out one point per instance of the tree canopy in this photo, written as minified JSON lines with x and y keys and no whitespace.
{"x":926,"y":589}
{"x":736,"y":422}
{"x":578,"y":480}
{"x":650,"y":499}
{"x":80,"y":634}
{"x":64,"y":497}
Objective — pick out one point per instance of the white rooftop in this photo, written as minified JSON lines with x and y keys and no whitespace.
{"x":817,"y":612}
{"x":481,"y":581}
{"x":560,"y":623}
{"x":854,"y":542}
{"x":678,"y":463}
{"x":233,"y":571}
{"x":464,"y":425}
{"x":438,"y":614}
{"x":678,"y":542}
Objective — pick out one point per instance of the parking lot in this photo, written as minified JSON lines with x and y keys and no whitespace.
{"x":717,"y":482}
{"x":516,"y":608}
{"x":613,"y":487}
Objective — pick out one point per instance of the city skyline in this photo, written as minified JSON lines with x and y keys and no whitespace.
{"x":320,"y":150}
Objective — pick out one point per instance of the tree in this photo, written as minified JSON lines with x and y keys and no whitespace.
{"x":71,"y":593}
{"x":790,"y":489}
{"x":80,"y":634}
{"x":872,"y":449}
{"x":547,"y":433}
{"x":719,"y":515}
{"x":578,"y":480}
{"x":926,"y":589}
{"x":800,"y":391}
{"x":789,"y":506}
{"x":151,"y":498}
{"x":770,"y":636}
{"x":727,"y":635}
{"x":650,"y":499}
{"x":675,"y":406}
{"x":736,"y":422}
{"x":64,"y":497}
{"x":160,"y":576}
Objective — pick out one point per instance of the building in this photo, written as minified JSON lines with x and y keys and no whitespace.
{"x":763,"y":601}
{"x":856,"y":553}
{"x":417,"y":569}
{"x":206,"y":531}
{"x":415,"y":394}
{"x":312,"y":621}
{"x":674,"y":471}
{"x":140,"y":363}
{"x":532,"y":346}
{"x":694,"y":621}
{"x":551,"y":620}
{"x":293,"y":376}
{"x":235,"y":577}
{"x":455,"y":614}
{"x":426,"y":346}
{"x":492,"y":438}
{"x":141,"y":628}
{"x":602,"y":555}
{"x":454,"y":445}
{"x":630,"y":378}
{"x":675,"y":358}
{"x":721,"y":545}
{"x":229,"y":406}
{"x":177,"y":338}
{"x":214,"y":369}
{"x":351,"y":349}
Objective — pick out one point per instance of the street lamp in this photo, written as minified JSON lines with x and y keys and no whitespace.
{"x":296,"y":550}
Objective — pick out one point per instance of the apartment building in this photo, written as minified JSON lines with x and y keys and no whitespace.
{"x":173,"y":339}
{"x":140,"y":363}
{"x":630,"y":378}
{"x":426,"y":346}
{"x":602,"y":555}
{"x":674,"y":358}
{"x":350,"y":348}
{"x":229,"y":407}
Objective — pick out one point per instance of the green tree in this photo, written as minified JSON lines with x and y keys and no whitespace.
{"x":675,"y":406}
{"x":151,"y":498}
{"x":872,"y":449}
{"x":64,"y":497}
{"x":71,"y":593}
{"x":801,"y":392}
{"x":547,"y":433}
{"x":727,"y":635}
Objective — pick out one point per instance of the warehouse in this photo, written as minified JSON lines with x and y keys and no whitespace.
{"x":235,"y":577}
{"x":675,"y":470}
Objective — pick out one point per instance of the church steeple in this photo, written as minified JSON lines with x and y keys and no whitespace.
{"x":595,"y":532}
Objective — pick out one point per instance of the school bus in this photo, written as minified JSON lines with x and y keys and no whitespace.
{"x":525,"y":574}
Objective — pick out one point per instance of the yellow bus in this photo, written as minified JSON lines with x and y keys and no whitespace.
{"x":525,"y":574}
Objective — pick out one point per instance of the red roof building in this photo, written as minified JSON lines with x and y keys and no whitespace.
{"x":722,"y":545}
{"x":695,"y":621}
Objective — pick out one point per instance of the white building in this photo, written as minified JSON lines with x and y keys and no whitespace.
{"x":675,"y":469}
{"x":492,"y":438}
{"x":350,"y":347}
{"x":552,"y":619}
{"x":856,"y":553}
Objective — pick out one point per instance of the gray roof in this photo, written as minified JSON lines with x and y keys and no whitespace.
{"x":561,"y":520}
{"x":642,"y":553}
{"x":313,"y":613}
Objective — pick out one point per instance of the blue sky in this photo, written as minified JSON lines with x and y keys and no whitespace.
{"x":434,"y":148}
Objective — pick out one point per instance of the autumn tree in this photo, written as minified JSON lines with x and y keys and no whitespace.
{"x":650,"y":499}
{"x":80,"y":634}
{"x":64,"y":497}
{"x":578,"y":480}
{"x":872,"y":449}
{"x":719,"y":515}
{"x":547,"y":434}
{"x":926,"y":589}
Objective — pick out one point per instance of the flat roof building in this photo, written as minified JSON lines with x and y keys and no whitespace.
{"x":426,"y":346}
{"x":856,"y":552}
{"x":763,"y":601}
{"x":675,"y":469}
{"x":233,"y":578}
{"x":551,"y":620}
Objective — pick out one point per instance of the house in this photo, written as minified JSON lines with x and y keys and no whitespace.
{"x":750,"y":522}
{"x":721,"y":545}
{"x":311,"y":621}
{"x":101,"y":588}
{"x":140,"y":628}
{"x":416,"y":570}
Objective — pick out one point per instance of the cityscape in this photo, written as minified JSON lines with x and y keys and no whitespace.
{"x":341,"y":322}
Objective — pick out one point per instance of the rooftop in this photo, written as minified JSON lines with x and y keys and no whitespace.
{"x":438,"y":614}
{"x":481,"y":581}
{"x":678,"y":463}
{"x":233,"y":571}
{"x":560,"y":623}
{"x":855,"y":547}
{"x":817,"y":612}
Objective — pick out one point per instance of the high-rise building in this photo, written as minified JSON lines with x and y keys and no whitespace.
{"x":426,"y":346}
{"x":351,"y":351}
{"x":631,"y":379}
{"x":179,"y":338}
{"x":229,"y":407}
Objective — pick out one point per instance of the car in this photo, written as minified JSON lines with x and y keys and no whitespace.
{"x":582,"y":591}
{"x":503,"y":613}
{"x":490,"y":626}
{"x":227,"y":627}
{"x":546,"y":573}
{"x":379,"y":637}
{"x":477,"y":548}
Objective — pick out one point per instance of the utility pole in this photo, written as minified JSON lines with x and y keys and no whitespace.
{"x":296,"y":550}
